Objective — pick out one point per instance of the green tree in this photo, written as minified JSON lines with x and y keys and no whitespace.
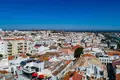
{"x":1,"y":55}
{"x":59,"y":44}
{"x":28,"y":54}
{"x":78,"y":52}
{"x":10,"y":54}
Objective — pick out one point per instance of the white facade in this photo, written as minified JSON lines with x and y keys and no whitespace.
{"x":105,"y":60}
{"x":108,"y":59}
{"x":39,"y":65}
{"x":4,"y":65}
{"x":13,"y":46}
{"x":112,"y":44}
{"x":14,"y":63}
{"x":3,"y":48}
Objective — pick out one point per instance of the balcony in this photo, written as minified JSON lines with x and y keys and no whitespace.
{"x":9,"y":45}
{"x":20,"y":43}
{"x":20,"y":51}
{"x":9,"y":51}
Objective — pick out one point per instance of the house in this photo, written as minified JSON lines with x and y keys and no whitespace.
{"x":116,"y":67}
{"x":74,"y":75}
{"x":91,"y":66}
{"x":113,"y":45}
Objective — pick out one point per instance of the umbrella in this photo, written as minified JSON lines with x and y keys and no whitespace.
{"x":35,"y":74}
{"x":41,"y":76}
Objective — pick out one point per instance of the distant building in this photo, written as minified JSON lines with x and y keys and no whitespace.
{"x":113,"y":45}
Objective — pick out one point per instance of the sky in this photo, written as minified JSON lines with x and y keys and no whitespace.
{"x":60,"y":14}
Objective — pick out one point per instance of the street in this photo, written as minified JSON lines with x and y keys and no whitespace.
{"x":21,"y":77}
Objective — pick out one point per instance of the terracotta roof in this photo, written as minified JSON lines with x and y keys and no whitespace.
{"x":14,"y":39}
{"x":3,"y":72}
{"x":10,"y":57}
{"x":23,"y":55}
{"x":66,"y":44}
{"x":44,"y":58}
{"x":67,"y":50}
{"x":51,"y":54}
{"x":73,"y":75}
{"x":117,"y":76}
{"x":75,"y":47}
{"x":113,"y":53}
{"x":77,"y":76}
{"x":116,"y":62}
{"x":37,"y":46}
{"x":66,"y":77}
{"x":87,"y":55}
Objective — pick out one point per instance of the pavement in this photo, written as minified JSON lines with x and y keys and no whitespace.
{"x":21,"y":77}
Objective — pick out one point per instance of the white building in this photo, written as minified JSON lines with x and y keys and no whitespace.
{"x":105,"y":59}
{"x":16,"y":45}
{"x":3,"y":48}
{"x":32,"y":67}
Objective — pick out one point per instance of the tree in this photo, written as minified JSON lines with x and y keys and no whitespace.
{"x":1,"y":55}
{"x":10,"y":54}
{"x":28,"y":54}
{"x":108,"y":43}
{"x":78,"y":52}
{"x":59,"y":44}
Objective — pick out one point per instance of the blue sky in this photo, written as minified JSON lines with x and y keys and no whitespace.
{"x":60,"y":14}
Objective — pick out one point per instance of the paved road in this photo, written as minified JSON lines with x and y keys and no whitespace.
{"x":21,"y":77}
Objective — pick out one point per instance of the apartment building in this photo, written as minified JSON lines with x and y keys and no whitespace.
{"x":17,"y":45}
{"x":91,"y":67}
{"x":3,"y":48}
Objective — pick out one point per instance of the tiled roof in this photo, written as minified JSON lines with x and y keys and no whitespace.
{"x":67,"y":50}
{"x":10,"y":57}
{"x":14,"y":39}
{"x":73,"y":75}
{"x":75,"y":47}
{"x":3,"y":72}
{"x":117,"y":76}
{"x":116,"y":62}
{"x":23,"y":55}
{"x":113,"y":53}
{"x":77,"y":76}
{"x":87,"y":55}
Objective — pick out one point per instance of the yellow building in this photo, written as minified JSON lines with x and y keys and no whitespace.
{"x":17,"y":45}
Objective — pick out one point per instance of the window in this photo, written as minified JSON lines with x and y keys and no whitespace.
{"x":63,"y":72}
{"x":27,"y":66}
{"x":35,"y":68}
